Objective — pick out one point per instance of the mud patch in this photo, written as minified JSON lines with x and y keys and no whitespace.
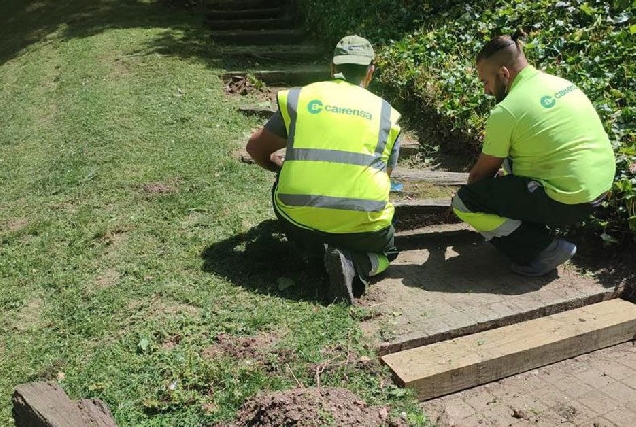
{"x":249,"y":85}
{"x":158,"y":188}
{"x":29,"y":316}
{"x":108,"y":278}
{"x":17,"y":224}
{"x":171,"y":342}
{"x":252,"y":348}
{"x":313,"y":407}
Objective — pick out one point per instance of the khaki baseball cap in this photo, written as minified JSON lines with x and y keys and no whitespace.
{"x":353,"y":50}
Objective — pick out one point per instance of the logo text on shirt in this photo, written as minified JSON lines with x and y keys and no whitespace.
{"x":548,"y":101}
{"x":315,"y":106}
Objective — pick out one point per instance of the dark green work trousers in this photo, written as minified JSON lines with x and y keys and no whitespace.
{"x":523,"y":199}
{"x":358,"y":244}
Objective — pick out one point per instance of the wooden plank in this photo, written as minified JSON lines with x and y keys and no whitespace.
{"x":422,"y":206}
{"x":449,"y":366}
{"x":44,"y":404}
{"x":434,"y":177}
{"x":289,"y":76}
{"x":96,"y":413}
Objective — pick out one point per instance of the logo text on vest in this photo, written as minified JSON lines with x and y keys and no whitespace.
{"x":316,"y":106}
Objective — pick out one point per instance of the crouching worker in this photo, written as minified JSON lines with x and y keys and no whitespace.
{"x":332,"y":189}
{"x":558,"y":165}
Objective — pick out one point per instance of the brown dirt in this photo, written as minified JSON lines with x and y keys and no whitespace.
{"x":158,"y":188}
{"x":313,"y":407}
{"x":108,"y":278}
{"x":17,"y":224}
{"x":258,"y":349}
{"x":253,"y":347}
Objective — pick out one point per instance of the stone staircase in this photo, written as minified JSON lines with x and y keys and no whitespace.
{"x":267,"y":33}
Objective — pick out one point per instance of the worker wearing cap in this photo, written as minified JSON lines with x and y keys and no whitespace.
{"x":332,"y":189}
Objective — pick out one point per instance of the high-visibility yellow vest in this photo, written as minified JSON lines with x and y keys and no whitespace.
{"x":340,"y":137}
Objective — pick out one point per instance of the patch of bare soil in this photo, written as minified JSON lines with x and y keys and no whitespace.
{"x":254,"y":89}
{"x":158,"y":188}
{"x":17,"y":224}
{"x":259,"y":349}
{"x":252,"y":347}
{"x":108,"y":278}
{"x":313,"y":407}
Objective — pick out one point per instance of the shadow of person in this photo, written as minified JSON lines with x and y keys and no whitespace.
{"x":262,"y":260}
{"x":459,"y":261}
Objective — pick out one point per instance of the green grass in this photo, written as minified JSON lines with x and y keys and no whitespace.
{"x":130,"y":237}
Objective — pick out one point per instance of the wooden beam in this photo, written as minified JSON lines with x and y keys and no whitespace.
{"x":434,"y":177}
{"x":422,"y":206}
{"x":449,"y":366}
{"x":44,"y":404}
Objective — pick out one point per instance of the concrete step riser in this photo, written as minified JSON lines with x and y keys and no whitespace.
{"x":216,"y":15}
{"x":250,"y":24}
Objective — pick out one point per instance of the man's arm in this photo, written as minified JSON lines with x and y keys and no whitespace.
{"x":486,"y":166}
{"x":262,"y":145}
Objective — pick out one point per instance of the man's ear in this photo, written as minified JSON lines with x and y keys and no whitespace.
{"x":504,"y":73}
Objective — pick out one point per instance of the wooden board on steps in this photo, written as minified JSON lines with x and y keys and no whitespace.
{"x":449,"y":366}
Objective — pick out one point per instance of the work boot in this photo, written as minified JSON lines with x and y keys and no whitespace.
{"x":341,"y":274}
{"x":558,"y":252}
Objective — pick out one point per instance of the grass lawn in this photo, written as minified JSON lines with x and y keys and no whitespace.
{"x":132,"y":243}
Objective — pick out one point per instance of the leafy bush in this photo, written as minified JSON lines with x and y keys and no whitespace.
{"x":426,"y":61}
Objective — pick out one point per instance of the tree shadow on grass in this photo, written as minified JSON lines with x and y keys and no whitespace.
{"x":261,"y":260}
{"x":26,"y":22}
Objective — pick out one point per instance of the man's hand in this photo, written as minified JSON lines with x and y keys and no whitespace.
{"x":486,"y":167}
{"x":262,"y":147}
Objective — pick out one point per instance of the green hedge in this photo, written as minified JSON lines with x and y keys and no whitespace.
{"x":426,"y":61}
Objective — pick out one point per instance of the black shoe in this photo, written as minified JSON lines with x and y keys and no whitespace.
{"x":341,"y":274}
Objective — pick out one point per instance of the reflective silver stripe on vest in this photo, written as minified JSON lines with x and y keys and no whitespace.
{"x":343,"y":203}
{"x":385,"y":127}
{"x":334,"y":156}
{"x":292,"y":109}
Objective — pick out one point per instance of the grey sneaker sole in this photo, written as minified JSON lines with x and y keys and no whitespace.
{"x":565,"y":251}
{"x":341,"y":273}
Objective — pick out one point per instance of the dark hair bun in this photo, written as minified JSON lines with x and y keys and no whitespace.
{"x":519,"y":35}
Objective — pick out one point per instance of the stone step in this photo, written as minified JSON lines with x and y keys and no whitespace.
{"x":434,"y":177}
{"x":259,"y":37}
{"x":241,"y":4}
{"x":448,"y":282}
{"x":292,"y":76}
{"x":450,"y":366}
{"x":291,"y":53}
{"x":241,"y":14}
{"x":421,"y":207}
{"x":249,"y":24}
